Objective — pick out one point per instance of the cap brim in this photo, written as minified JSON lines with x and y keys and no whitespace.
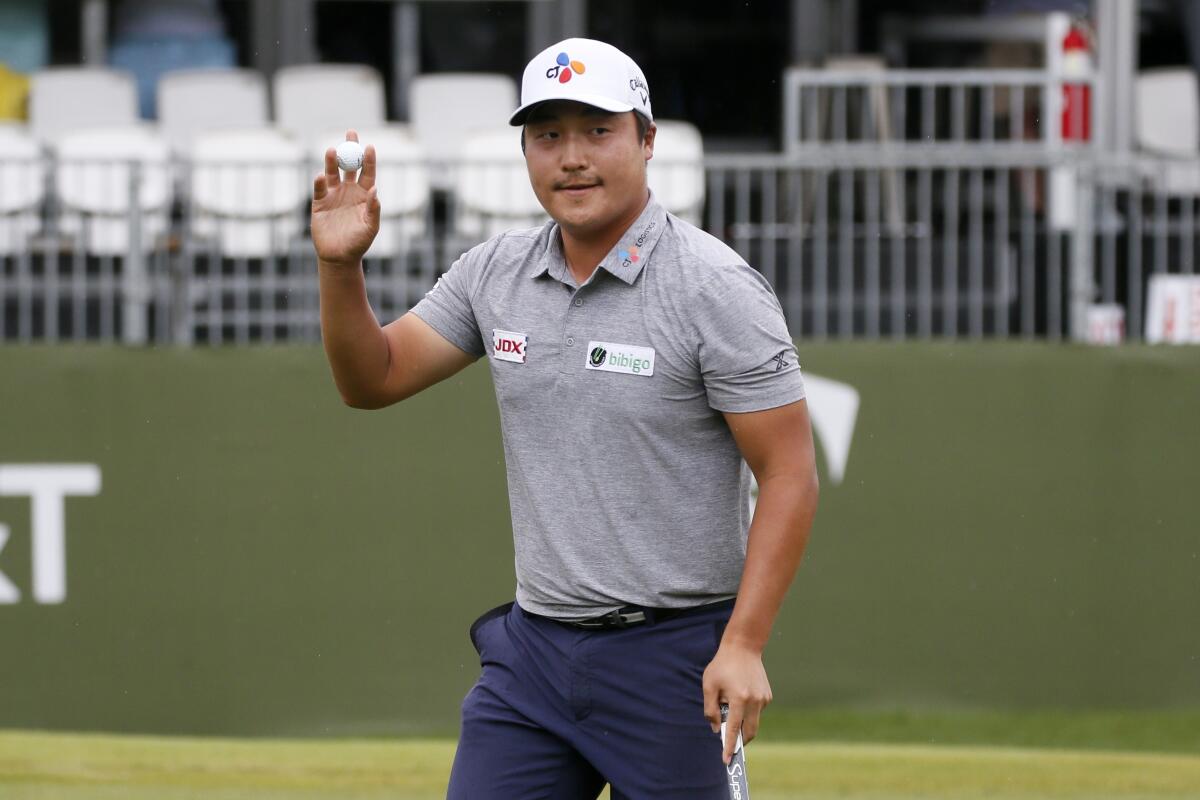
{"x":599,"y":101}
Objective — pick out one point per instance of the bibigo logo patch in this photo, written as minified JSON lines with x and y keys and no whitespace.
{"x":629,"y":359}
{"x":563,"y":68}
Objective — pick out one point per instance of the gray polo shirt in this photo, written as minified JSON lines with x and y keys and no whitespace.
{"x":624,"y":481}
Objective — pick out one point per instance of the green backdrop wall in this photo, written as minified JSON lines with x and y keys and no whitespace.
{"x":1017,"y":527}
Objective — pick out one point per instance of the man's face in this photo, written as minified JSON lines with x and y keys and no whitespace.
{"x":587,"y":166}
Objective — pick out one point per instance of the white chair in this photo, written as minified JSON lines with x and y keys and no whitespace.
{"x":66,"y":99}
{"x":313,"y":98}
{"x":402,"y":181}
{"x":247,"y":191}
{"x":1167,"y":117}
{"x":1167,"y":124}
{"x":445,"y":108}
{"x":676,"y":173}
{"x":97,"y":194}
{"x":491,"y":186}
{"x":194,"y":101}
{"x":22,"y":188}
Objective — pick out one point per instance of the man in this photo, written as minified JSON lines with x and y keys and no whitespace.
{"x":637,"y":361}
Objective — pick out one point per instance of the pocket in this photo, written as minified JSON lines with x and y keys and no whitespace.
{"x":718,"y":632}
{"x":485,"y":618}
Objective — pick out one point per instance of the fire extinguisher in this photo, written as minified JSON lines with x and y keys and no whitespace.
{"x":1077,"y":94}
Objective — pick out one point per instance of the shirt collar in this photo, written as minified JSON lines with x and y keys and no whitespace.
{"x":552,"y":260}
{"x":626,"y":260}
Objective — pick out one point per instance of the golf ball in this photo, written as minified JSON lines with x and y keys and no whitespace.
{"x":350,"y":155}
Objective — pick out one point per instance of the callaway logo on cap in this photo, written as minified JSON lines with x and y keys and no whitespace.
{"x":586,"y":71}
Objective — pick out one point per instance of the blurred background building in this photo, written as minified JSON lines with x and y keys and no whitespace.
{"x":895,"y":167}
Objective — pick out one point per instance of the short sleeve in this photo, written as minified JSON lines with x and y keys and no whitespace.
{"x":447,"y":306}
{"x":747,"y":359}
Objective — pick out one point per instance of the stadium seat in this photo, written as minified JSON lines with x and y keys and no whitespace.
{"x":446,"y":107}
{"x":94,"y":183}
{"x":150,"y":58}
{"x":1168,"y":117}
{"x":194,"y":101}
{"x":492,"y":191}
{"x":676,"y":173}
{"x":1167,"y":124}
{"x":403,"y":185}
{"x":66,"y":99}
{"x":22,"y":188}
{"x":311,"y":99}
{"x":248,"y":189}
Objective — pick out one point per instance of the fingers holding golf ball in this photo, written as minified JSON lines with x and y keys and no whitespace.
{"x":353,"y":154}
{"x":345,"y":211}
{"x":351,"y":157}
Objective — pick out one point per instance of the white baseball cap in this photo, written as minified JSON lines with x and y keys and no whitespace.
{"x":586,"y":71}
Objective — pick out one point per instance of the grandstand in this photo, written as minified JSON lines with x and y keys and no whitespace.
{"x":895,"y":202}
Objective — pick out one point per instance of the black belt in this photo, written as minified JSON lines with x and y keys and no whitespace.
{"x":632,"y":616}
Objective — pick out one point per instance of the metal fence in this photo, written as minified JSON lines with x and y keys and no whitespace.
{"x":941,"y":223}
{"x":870,"y":105}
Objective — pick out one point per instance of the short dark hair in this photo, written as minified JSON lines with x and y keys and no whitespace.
{"x":643,"y":125}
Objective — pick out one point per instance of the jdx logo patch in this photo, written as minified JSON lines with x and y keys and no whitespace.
{"x":628,"y":359}
{"x":509,"y":346}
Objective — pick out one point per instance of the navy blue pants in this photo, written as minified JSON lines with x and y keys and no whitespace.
{"x":559,"y":711}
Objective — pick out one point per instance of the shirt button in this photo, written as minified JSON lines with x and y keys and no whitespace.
{"x":578,"y":301}
{"x":570,"y":340}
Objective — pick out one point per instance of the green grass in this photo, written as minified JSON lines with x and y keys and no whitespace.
{"x":802,"y":756}
{"x":1140,"y":731}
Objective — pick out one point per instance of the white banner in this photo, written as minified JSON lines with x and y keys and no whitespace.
{"x":1173,"y":309}
{"x":1105,"y":324}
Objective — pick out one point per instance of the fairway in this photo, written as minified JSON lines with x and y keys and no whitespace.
{"x":37,"y":766}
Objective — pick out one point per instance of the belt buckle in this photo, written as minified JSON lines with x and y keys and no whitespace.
{"x":614,"y":619}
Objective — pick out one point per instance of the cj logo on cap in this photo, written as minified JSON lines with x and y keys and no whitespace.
{"x":562,"y":70}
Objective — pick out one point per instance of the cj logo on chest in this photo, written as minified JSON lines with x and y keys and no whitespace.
{"x":509,"y":346}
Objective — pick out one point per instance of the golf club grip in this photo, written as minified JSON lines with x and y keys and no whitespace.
{"x":739,"y":786}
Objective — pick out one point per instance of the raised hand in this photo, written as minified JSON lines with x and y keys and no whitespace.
{"x":345,"y":211}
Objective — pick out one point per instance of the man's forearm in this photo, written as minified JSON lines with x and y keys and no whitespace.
{"x":354,"y":342}
{"x":778,"y":536}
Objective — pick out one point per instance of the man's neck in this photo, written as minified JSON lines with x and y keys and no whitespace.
{"x":584,"y":253}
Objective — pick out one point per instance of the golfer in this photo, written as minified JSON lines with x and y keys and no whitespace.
{"x":642,"y":371}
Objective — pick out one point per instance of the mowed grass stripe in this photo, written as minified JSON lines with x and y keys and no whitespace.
{"x":181,"y":761}
{"x":1175,"y":731}
{"x":862,"y":771}
{"x":98,"y":767}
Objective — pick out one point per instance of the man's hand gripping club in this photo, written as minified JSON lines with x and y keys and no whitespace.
{"x":736,"y":677}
